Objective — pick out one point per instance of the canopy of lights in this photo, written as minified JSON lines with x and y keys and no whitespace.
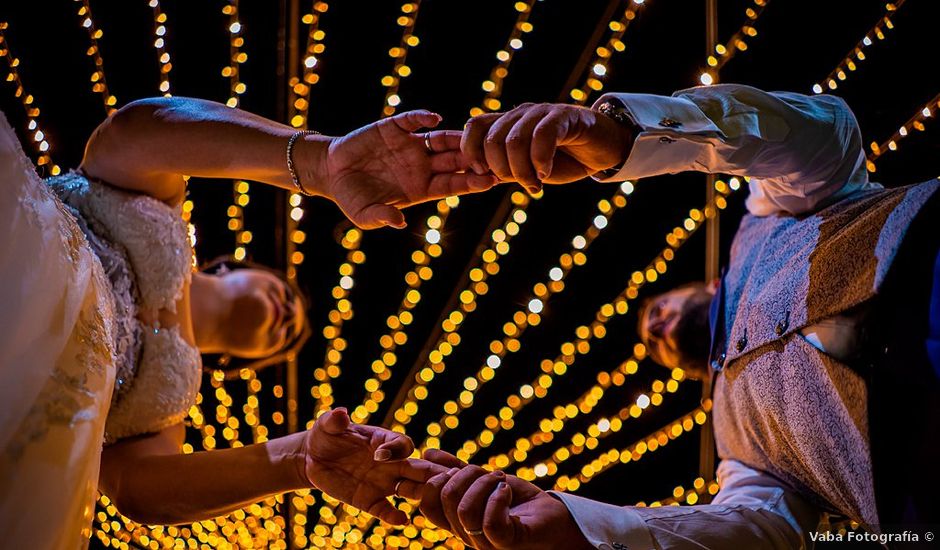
{"x":490,"y":328}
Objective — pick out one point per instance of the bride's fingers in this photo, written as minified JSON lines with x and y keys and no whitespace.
{"x":450,"y":161}
{"x":446,"y":185}
{"x":379,"y":215}
{"x":413,"y":121}
{"x":396,"y":447}
{"x":384,"y":510}
{"x":444,"y":140}
{"x":334,"y":422}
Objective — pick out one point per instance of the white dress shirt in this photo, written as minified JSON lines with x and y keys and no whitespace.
{"x":801,"y":154}
{"x":752,"y":510}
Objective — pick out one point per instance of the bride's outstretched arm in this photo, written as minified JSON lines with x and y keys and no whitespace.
{"x":151,"y":482}
{"x":150,"y":144}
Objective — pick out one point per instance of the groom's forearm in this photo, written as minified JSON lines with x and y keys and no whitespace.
{"x":182,"y":488}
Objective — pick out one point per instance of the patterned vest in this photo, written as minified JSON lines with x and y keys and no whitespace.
{"x":780,"y":404}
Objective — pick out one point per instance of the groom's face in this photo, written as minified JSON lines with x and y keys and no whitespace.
{"x":674,"y":328}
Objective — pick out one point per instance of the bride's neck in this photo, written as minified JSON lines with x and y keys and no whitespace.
{"x":209,"y":309}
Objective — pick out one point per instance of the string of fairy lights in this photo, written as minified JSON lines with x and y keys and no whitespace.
{"x":856,"y":55}
{"x":493,"y":86}
{"x":738,"y":42}
{"x":488,"y":261}
{"x":99,"y":83}
{"x":38,"y":138}
{"x":232,"y":71}
{"x":400,"y":70}
{"x":917,"y":123}
{"x":528,"y":316}
{"x":634,"y":452}
{"x":159,"y":43}
{"x":343,"y":311}
{"x":599,"y":67}
{"x":299,"y":111}
{"x":681,"y":495}
{"x":352,"y":238}
{"x":608,"y":425}
{"x":584,"y":405}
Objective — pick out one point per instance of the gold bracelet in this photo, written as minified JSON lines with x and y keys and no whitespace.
{"x":290,"y":161}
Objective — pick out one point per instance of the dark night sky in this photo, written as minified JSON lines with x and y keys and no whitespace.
{"x":798,"y":44}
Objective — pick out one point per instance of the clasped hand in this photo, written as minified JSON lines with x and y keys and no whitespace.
{"x":493,"y":510}
{"x":375,"y":171}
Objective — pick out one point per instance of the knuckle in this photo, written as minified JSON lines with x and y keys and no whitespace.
{"x":490,"y":525}
{"x":492,"y":140}
{"x":463,"y":512}
{"x":544,"y":130}
{"x":449,"y":494}
{"x":515,"y":141}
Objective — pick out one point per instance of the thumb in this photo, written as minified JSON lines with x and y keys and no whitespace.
{"x":498,"y":526}
{"x":334,"y":422}
{"x":379,"y":215}
{"x":412,"y":121}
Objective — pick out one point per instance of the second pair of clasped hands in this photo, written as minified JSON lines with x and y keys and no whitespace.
{"x":375,"y":171}
{"x":364,"y":465}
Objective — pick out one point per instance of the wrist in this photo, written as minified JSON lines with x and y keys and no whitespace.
{"x":311,"y":154}
{"x":567,"y":530}
{"x":288,"y":456}
{"x":622,"y":131}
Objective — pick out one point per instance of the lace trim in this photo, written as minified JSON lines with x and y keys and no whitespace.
{"x":165,"y":386}
{"x":128,"y":333}
{"x":153,"y":234}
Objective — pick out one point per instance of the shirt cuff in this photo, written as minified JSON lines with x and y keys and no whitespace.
{"x":673,"y":135}
{"x":606,"y":526}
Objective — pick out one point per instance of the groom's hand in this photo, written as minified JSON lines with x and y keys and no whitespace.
{"x":538,"y":143}
{"x":375,"y":171}
{"x":496,"y":511}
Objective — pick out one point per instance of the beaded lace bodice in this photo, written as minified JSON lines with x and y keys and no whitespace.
{"x":143,"y":245}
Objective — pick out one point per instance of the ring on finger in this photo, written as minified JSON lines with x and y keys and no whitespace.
{"x":474,"y":532}
{"x":397,"y":486}
{"x":427,"y":142}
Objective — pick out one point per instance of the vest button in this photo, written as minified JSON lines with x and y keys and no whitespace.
{"x":742,"y":343}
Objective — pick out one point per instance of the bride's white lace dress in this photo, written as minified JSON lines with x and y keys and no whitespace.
{"x":77,"y":367}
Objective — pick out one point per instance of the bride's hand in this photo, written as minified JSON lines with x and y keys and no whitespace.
{"x":378,"y":169}
{"x":363,"y":465}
